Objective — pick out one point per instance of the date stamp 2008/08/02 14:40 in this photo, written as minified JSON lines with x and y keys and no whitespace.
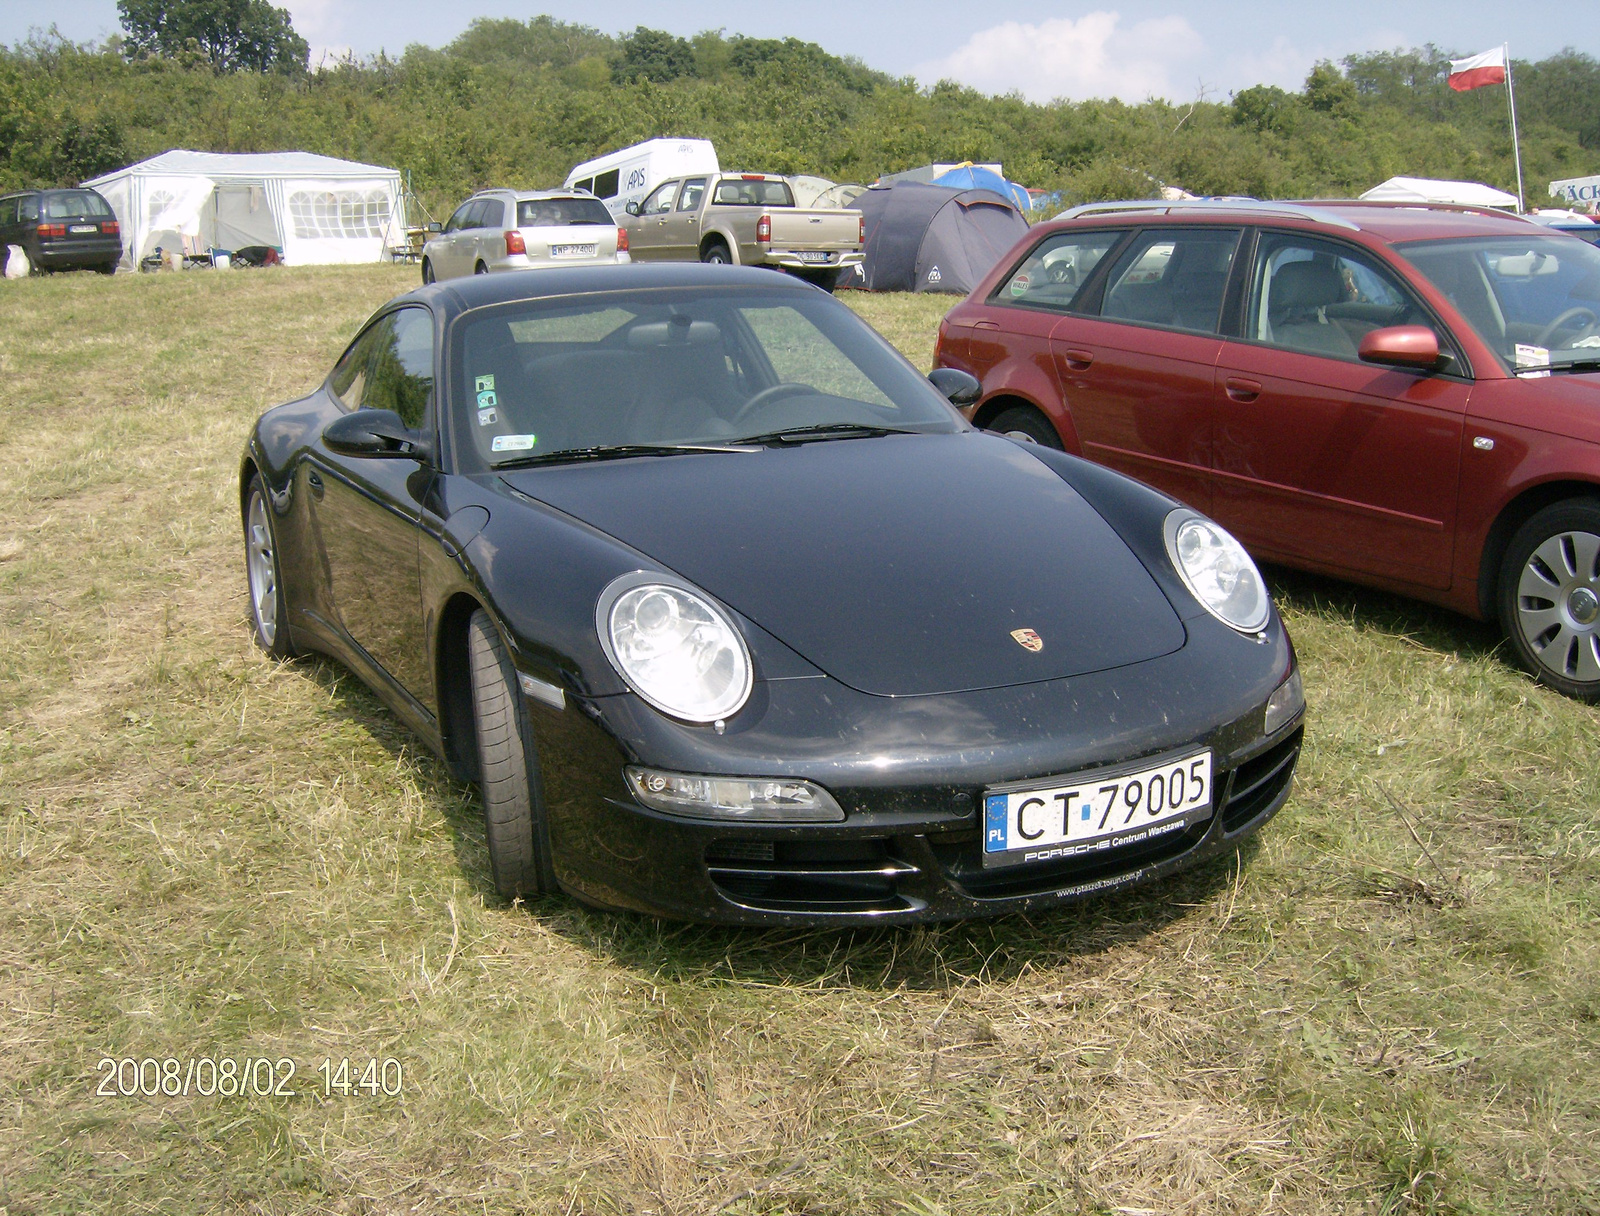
{"x":247,"y":1077}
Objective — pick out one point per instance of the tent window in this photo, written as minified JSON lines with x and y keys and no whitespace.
{"x":347,"y":214}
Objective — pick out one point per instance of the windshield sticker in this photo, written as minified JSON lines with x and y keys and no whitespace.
{"x":487,"y":400}
{"x":488,"y":417}
{"x":1591,"y":341}
{"x":1532,"y":361}
{"x":513,"y":443}
{"x":1019,"y":285}
{"x":485,"y":384}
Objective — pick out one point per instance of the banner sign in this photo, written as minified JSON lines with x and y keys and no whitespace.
{"x":1578,"y":189}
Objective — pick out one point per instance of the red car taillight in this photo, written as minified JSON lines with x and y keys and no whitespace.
{"x":111,"y":228}
{"x":52,"y":230}
{"x":622,"y":240}
{"x":515,"y":243}
{"x":764,"y":228}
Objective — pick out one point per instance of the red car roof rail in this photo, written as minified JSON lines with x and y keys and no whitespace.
{"x":1252,"y":205}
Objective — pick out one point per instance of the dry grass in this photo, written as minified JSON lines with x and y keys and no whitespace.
{"x":1388,"y":1004}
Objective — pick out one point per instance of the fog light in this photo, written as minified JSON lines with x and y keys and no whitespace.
{"x":1288,"y":700}
{"x":748,"y":799}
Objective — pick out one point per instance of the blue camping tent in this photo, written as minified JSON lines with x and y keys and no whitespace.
{"x":976,"y":177}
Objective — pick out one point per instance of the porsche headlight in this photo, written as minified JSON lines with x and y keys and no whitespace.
{"x":1218,"y":571}
{"x":674,"y":647}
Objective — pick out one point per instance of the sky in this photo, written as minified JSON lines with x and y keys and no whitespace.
{"x":1128,"y":49}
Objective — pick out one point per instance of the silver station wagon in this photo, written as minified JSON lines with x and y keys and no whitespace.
{"x":521,"y":230}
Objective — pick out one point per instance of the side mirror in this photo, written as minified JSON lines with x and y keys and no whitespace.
{"x":958,"y":387}
{"x":632,"y":208}
{"x":435,"y":226}
{"x":374,"y":433}
{"x":1414,"y":346}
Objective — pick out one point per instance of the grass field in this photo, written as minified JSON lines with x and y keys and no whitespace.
{"x":1389,"y":1003}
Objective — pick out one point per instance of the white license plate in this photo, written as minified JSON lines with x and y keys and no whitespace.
{"x":1091,"y":813}
{"x":815,"y":255}
{"x":80,"y":229}
{"x":573,"y":251}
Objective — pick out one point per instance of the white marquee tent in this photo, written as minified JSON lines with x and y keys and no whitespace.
{"x":312,"y":209}
{"x":1431,"y":190}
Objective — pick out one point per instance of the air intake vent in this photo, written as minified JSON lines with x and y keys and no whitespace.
{"x":814,"y":878}
{"x":1258,"y":782}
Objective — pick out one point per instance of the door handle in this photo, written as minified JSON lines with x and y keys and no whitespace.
{"x":1077,"y":360}
{"x":985,"y":325}
{"x":1242,"y":390}
{"x":314,"y":480}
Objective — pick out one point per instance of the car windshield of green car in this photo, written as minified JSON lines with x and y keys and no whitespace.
{"x":1534,"y":299}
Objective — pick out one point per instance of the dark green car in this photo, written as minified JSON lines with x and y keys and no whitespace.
{"x":62,"y":229}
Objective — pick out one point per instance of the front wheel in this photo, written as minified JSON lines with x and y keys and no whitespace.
{"x":1027,"y":424}
{"x":268,"y":616}
{"x":1550,"y":597}
{"x":508,"y":768}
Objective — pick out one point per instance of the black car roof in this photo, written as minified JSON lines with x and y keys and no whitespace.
{"x":480,"y":290}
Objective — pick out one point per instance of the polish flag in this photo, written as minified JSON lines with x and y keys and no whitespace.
{"x":1479,"y":70}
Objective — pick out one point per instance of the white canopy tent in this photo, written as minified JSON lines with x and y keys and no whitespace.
{"x":1431,"y":190}
{"x":313,"y":209}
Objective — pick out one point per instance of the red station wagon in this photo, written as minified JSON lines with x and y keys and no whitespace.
{"x":1402,"y":396}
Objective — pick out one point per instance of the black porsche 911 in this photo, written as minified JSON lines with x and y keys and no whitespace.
{"x":732,"y":617}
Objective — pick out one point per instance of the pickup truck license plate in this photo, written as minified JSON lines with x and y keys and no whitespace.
{"x":80,"y":229}
{"x":573,"y":251}
{"x":1089,"y":814}
{"x":815,"y":255}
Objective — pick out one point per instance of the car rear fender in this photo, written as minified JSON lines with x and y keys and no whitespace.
{"x":721,"y":236}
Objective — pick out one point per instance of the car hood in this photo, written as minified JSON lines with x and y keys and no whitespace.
{"x":899,"y":565}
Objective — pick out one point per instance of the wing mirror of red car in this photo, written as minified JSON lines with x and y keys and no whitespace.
{"x":375,"y":433}
{"x":957,"y":386}
{"x":1402,"y":346}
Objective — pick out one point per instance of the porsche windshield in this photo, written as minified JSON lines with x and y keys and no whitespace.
{"x":1535,"y":299}
{"x":634,"y":373}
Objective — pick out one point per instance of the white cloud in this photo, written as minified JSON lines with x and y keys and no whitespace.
{"x":1060,"y":57}
{"x":320,"y":24}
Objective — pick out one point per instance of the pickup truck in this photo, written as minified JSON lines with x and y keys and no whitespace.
{"x":748,"y":219}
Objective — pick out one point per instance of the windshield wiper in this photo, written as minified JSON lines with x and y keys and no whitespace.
{"x":617,"y":451}
{"x":827,"y":430}
{"x":1575,"y":365}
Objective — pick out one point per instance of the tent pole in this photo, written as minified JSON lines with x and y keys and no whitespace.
{"x":1516,"y":148}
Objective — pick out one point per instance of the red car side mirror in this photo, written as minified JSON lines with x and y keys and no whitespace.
{"x":1401,"y":346}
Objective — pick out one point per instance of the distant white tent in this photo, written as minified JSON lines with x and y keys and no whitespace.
{"x":1430,"y":190}
{"x":313,"y":209}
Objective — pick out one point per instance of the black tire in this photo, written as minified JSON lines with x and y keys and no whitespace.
{"x":1549,"y":595}
{"x":1027,"y":424}
{"x":480,"y":268}
{"x":427,"y":271}
{"x":717,"y":254}
{"x":269,"y":617}
{"x":107,"y":268}
{"x":508,"y":768}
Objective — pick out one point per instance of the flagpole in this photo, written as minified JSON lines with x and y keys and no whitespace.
{"x":1516,"y":148}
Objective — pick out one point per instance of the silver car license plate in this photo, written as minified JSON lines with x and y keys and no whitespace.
{"x":815,"y":255}
{"x":1078,"y":815}
{"x":573,"y":251}
{"x":81,"y":229}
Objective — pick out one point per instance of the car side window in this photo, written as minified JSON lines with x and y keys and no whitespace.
{"x":693,"y":191}
{"x":1173,"y":277}
{"x":660,"y":200}
{"x":1321,"y":298}
{"x":458,"y":221}
{"x":28,"y":208}
{"x":349,"y":378}
{"x":1055,"y":270}
{"x":8,"y":211}
{"x":491,"y":213}
{"x":399,"y":365}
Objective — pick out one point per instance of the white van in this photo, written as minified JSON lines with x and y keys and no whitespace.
{"x":620,"y":178}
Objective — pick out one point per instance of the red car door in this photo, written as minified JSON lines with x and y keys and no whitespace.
{"x":1139,"y":378}
{"x":1320,"y":458}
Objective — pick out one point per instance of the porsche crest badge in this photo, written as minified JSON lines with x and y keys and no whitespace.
{"x":1028,"y":639}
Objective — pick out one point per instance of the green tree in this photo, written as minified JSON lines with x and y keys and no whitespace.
{"x":232,"y":35}
{"x":653,"y":55}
